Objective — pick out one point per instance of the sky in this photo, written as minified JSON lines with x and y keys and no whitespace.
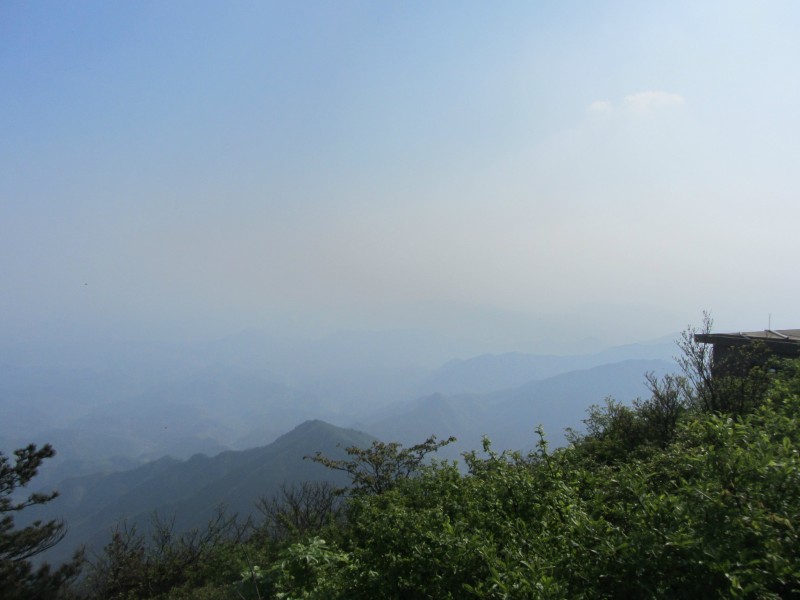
{"x":510,"y":170}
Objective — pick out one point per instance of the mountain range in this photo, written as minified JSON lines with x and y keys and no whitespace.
{"x":188,"y":492}
{"x":179,"y":435}
{"x":510,"y":417}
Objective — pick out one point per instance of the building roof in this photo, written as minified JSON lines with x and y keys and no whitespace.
{"x":791,"y":336}
{"x":782,"y":342}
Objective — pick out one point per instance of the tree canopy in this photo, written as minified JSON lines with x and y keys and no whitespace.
{"x":18,"y":576}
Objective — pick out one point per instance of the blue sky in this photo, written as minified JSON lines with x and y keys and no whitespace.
{"x":619,"y":166}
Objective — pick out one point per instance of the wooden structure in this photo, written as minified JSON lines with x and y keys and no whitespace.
{"x":731,"y":348}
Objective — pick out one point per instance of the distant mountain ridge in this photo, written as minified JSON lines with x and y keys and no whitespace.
{"x":143,"y":401}
{"x":509,"y":417}
{"x":114,"y":424}
{"x":491,"y":372}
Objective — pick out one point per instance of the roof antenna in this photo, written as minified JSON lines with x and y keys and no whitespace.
{"x":769,"y":322}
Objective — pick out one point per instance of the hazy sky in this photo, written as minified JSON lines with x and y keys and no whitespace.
{"x":377,"y":164}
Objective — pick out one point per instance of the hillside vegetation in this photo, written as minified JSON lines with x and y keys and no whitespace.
{"x":691,"y":492}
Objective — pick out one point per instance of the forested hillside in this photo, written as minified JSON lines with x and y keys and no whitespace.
{"x":189,"y":493}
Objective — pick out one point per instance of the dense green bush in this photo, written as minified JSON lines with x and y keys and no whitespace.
{"x":711,"y":514}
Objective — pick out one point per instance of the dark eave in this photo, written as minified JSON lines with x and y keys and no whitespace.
{"x":771,"y":336}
